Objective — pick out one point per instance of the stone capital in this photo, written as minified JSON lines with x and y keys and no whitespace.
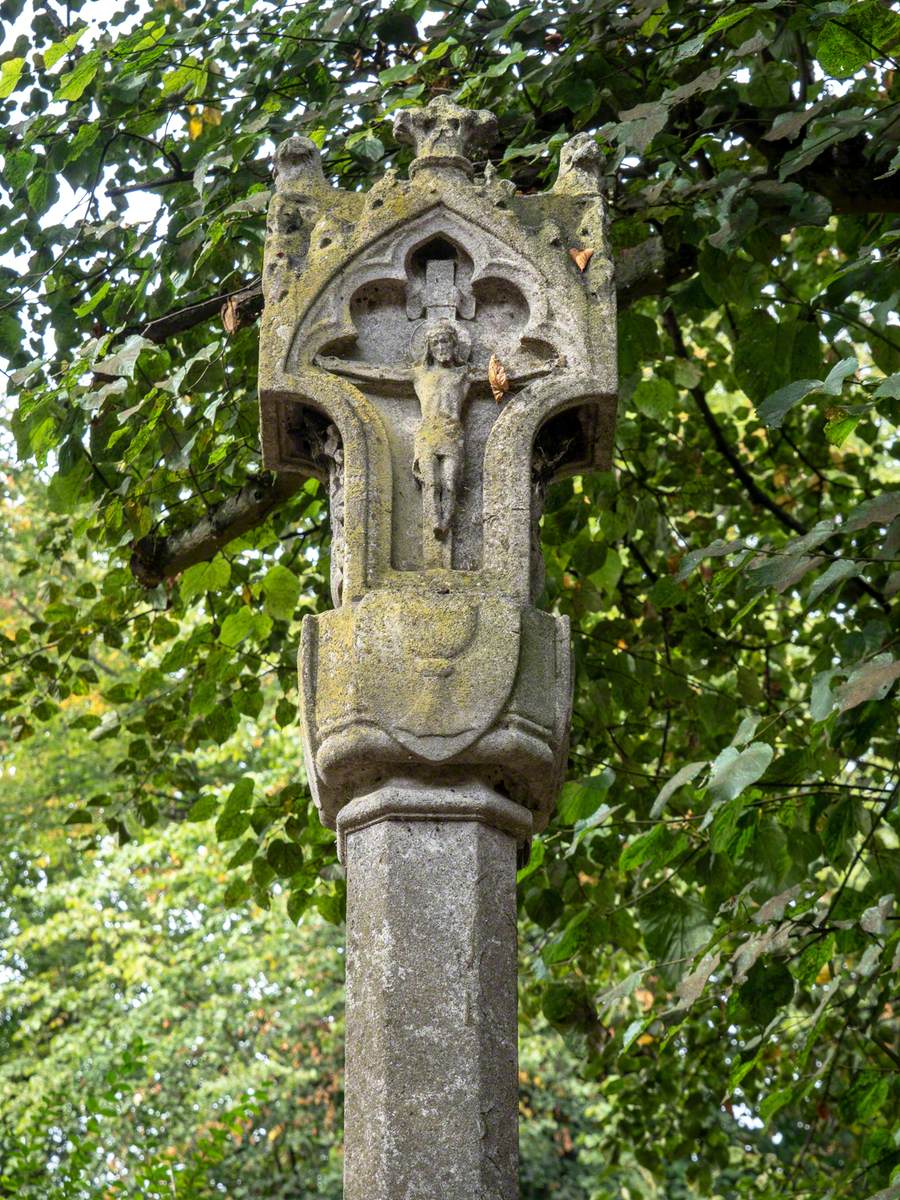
{"x":408,"y":801}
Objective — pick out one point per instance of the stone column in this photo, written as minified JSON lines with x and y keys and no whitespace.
{"x":431,"y":1065}
{"x":437,"y":350}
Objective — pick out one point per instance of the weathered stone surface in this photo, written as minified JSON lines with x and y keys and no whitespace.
{"x":439,"y":350}
{"x":436,"y":684}
{"x":384,"y":310}
{"x":431,"y":1077}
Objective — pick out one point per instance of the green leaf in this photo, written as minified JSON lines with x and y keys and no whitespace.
{"x":236,"y":627}
{"x":841,"y":827}
{"x":768,"y":988}
{"x":285,"y":858}
{"x":58,"y":50}
{"x":837,"y":572}
{"x":880,"y":510}
{"x":74,"y":82}
{"x":245,"y":853}
{"x":815,"y":956}
{"x":655,"y":398}
{"x":11,"y":336}
{"x":281,"y":589}
{"x":297,"y":904}
{"x":575,"y":937}
{"x":81,"y":816}
{"x":674,"y":927}
{"x":17,"y":166}
{"x":581,"y":798}
{"x":848,"y":43}
{"x":331,"y":907}
{"x":231,"y":825}
{"x":564,"y":1004}
{"x":10,"y":73}
{"x":684,"y":775}
{"x":189,"y":78}
{"x":38,"y":191}
{"x":82,"y":310}
{"x":633,"y":1032}
{"x":770,"y":353}
{"x":203,"y":809}
{"x":654,"y":849}
{"x":237,"y":892}
{"x":535,"y":860}
{"x":576,"y":92}
{"x":398,"y":74}
{"x":839,"y":428}
{"x":725,"y":831}
{"x":868,"y":1095}
{"x":775,"y":407}
{"x":733,"y":771}
{"x":204,"y":577}
{"x":263,"y":873}
{"x":775,"y":1101}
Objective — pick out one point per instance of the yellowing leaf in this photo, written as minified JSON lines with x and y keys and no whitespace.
{"x":10,"y":71}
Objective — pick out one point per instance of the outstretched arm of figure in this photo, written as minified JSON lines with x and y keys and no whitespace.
{"x":546,"y":368}
{"x":392,"y":372}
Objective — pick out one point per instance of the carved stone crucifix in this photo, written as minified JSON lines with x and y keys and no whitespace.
{"x":435,"y":698}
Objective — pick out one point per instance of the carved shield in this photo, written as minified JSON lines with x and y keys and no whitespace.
{"x":435,"y":671}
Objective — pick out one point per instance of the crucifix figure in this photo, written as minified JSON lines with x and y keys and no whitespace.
{"x":441,"y":379}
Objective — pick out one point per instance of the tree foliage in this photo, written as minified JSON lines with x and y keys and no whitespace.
{"x":710,"y":921}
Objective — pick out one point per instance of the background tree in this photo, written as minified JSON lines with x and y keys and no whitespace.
{"x":710,"y":922}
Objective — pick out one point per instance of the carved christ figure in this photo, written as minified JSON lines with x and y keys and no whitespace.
{"x":441,"y":380}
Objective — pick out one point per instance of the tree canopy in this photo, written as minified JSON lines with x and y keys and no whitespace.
{"x":710,"y":921}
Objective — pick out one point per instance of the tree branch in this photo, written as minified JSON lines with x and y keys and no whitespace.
{"x":154,"y":559}
{"x":237,"y":308}
{"x":754,"y":491}
{"x":644,"y":270}
{"x":150,"y":185}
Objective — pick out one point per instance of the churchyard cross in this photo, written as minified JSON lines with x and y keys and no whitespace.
{"x":437,"y":350}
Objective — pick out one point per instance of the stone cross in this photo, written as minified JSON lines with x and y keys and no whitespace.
{"x":437,"y":350}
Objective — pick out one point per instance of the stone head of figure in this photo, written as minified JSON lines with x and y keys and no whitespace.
{"x":442,"y":345}
{"x":443,"y":128}
{"x":581,"y":164}
{"x":296,"y":157}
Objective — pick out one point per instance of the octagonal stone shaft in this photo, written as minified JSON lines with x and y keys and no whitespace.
{"x":431,"y":1066}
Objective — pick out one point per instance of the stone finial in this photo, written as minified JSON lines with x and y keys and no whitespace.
{"x":443,"y":134}
{"x":297,"y":158}
{"x":580,"y":167}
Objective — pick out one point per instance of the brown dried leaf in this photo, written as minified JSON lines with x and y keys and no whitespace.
{"x":497,"y":378}
{"x":231,"y":318}
{"x":581,"y":258}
